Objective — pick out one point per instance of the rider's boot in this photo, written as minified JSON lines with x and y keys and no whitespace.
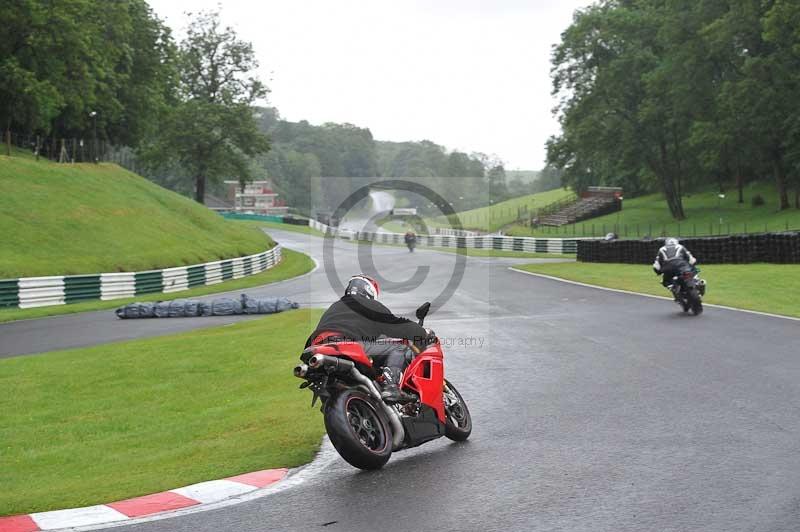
{"x":391,"y":385}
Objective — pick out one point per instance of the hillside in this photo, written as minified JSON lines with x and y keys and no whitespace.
{"x":501,"y":214}
{"x":649,"y":215}
{"x":83,"y":218}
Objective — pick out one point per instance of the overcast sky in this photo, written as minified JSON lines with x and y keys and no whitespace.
{"x":469,"y":74}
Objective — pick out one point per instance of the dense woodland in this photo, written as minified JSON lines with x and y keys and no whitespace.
{"x":679,"y":95}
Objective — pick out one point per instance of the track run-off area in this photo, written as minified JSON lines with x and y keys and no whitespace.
{"x":592,"y":409}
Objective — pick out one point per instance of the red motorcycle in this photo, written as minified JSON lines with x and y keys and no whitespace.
{"x":362,"y":427}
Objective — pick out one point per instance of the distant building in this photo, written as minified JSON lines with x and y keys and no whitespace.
{"x":257,"y":197}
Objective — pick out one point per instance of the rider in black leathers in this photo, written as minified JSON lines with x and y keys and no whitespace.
{"x":672,"y":259}
{"x":358,"y":316}
{"x":411,"y":240}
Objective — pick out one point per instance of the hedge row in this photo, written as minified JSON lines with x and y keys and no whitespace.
{"x":736,"y":249}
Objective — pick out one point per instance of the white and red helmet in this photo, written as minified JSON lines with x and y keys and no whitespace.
{"x":362,"y":285}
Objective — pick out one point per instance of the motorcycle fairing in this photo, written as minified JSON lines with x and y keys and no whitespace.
{"x":425,"y":376}
{"x":350,"y":350}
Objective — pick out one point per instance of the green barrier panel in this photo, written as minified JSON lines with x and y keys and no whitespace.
{"x":248,"y":265}
{"x":9,"y":293}
{"x":541,"y":245}
{"x":148,"y":282}
{"x":81,"y":288}
{"x":227,"y":270}
{"x":257,"y":217}
{"x":570,"y":246}
{"x":518,"y":244}
{"x":497,"y":242}
{"x":196,"y":275}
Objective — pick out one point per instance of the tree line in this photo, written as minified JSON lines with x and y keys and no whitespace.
{"x":74,"y":69}
{"x":680,"y":95}
{"x":80,"y":68}
{"x":304,"y":156}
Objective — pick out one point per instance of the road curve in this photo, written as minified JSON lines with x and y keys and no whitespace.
{"x":593,"y":410}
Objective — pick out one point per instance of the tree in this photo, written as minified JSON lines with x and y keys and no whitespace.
{"x":497,"y":183}
{"x":56,"y":65}
{"x":212,"y":131}
{"x":617,"y":113}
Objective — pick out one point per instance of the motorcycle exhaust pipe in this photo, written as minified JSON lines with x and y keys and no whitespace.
{"x":335,"y":365}
{"x":398,"y":434}
{"x":300,"y":371}
{"x":345,"y":367}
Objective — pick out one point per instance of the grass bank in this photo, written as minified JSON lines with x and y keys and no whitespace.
{"x":499,"y":215}
{"x":99,"y":424}
{"x":764,"y":287}
{"x":283,"y":227}
{"x":292,"y":265}
{"x":649,"y":215}
{"x":62,"y":219}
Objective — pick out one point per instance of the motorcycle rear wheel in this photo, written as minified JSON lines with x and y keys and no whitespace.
{"x":458,"y":421}
{"x":695,"y":302}
{"x":358,"y":429}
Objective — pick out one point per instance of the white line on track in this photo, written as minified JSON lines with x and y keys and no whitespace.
{"x":553,"y":278}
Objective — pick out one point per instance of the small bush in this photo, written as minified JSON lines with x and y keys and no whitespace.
{"x":757,"y":200}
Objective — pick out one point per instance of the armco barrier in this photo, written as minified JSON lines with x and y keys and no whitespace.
{"x":505,"y":243}
{"x":30,"y":292}
{"x":736,"y":249}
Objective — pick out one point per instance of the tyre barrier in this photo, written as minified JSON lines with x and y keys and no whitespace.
{"x":505,"y":243}
{"x":780,"y":248}
{"x":28,"y":292}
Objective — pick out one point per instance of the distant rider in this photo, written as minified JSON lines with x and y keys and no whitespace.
{"x":411,"y":240}
{"x":671,"y":260}
{"x":359,"y":317}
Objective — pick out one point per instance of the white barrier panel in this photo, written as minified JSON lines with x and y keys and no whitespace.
{"x":41,"y":291}
{"x":117,"y":285}
{"x":238,"y":268}
{"x":175,"y":279}
{"x":213,"y":272}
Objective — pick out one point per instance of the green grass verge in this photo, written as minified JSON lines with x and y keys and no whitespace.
{"x":765,"y":287}
{"x":95,"y":425}
{"x":283,"y":227}
{"x":292,"y":265}
{"x":649,"y":215}
{"x":501,"y":214}
{"x":62,"y":219}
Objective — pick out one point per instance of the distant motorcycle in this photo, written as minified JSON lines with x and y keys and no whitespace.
{"x":411,"y":241}
{"x":362,"y":427}
{"x":688,"y":290}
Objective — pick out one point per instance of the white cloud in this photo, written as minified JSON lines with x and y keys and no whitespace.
{"x":469,"y":74}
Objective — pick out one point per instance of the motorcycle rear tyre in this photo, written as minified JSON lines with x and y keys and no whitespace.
{"x":344,"y":438}
{"x":695,"y":302}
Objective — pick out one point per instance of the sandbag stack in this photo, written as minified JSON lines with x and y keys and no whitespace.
{"x":222,"y":306}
